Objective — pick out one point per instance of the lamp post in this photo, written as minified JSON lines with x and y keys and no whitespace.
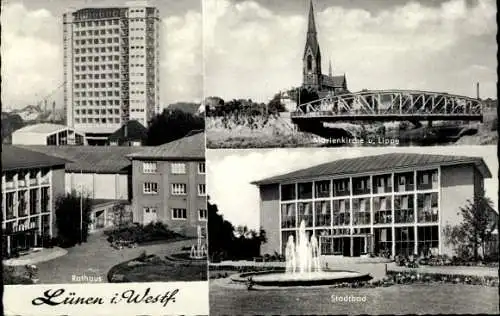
{"x":81,"y":211}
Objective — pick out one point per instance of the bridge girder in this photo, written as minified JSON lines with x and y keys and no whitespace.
{"x":392,"y":103}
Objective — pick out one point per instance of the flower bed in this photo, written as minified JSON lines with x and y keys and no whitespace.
{"x":141,"y":234}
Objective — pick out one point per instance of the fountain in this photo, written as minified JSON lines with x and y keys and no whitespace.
{"x":302,"y":266}
{"x":198,"y":251}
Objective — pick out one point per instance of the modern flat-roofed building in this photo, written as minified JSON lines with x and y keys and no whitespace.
{"x":392,"y":204}
{"x":48,"y":134}
{"x":169,"y":185}
{"x":111,"y":68}
{"x":31,"y":181}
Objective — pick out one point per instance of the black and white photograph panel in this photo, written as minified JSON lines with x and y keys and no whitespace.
{"x":323,"y":73}
{"x":370,"y":230}
{"x":103,"y":143}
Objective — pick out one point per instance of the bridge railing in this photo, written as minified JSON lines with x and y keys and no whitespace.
{"x":391,"y":102}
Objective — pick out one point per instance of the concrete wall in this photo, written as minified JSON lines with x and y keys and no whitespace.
{"x":269,"y":218}
{"x":165,"y":201}
{"x":457,"y":186}
{"x":28,"y":138}
{"x":99,"y":185}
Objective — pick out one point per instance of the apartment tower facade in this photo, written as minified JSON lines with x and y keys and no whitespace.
{"x":111,"y":68}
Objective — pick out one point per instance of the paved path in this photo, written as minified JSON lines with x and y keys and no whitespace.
{"x":94,"y":258}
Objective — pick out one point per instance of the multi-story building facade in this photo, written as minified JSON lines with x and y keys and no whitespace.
{"x":102,"y":173}
{"x":393,"y":204}
{"x":111,"y":68}
{"x":168,"y":185}
{"x":30,"y":183}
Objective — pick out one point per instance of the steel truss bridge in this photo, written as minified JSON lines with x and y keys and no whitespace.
{"x":389,"y":105}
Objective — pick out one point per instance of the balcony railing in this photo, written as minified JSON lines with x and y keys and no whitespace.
{"x":21,"y":183}
{"x":360,"y":191}
{"x":383,"y":217}
{"x":428,"y":215}
{"x":405,"y":187}
{"x":404,"y":216}
{"x":343,"y":192}
{"x":9,"y":185}
{"x":427,"y":186}
{"x":383,"y":189}
{"x":33,"y":182}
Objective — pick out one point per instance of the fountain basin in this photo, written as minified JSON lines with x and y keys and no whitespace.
{"x":282,"y":279}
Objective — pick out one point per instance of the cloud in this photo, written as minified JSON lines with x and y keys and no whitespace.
{"x":252,"y":52}
{"x":230,"y":172}
{"x":182,"y":75}
{"x":32,"y":55}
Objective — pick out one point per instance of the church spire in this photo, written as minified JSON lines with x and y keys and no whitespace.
{"x":311,"y":26}
{"x":311,"y":38}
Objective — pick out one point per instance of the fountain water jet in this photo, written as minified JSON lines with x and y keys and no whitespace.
{"x":302,"y":257}
{"x":302,"y":267}
{"x":198,"y":251}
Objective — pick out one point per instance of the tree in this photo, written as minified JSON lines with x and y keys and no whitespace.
{"x":171,"y":125}
{"x":121,"y":214}
{"x":69,"y":209}
{"x":220,"y":233}
{"x":275,"y":105}
{"x":474,"y":231}
{"x":10,"y":123}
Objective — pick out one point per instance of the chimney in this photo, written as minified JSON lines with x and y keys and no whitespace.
{"x":45,"y":105}
{"x":477,"y":90}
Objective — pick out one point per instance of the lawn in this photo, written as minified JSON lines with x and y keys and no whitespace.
{"x":401,"y":299}
{"x":154,"y":269}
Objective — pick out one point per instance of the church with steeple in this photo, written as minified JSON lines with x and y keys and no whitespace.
{"x":313,"y":78}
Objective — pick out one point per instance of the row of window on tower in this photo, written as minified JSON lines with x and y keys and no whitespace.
{"x":177,"y":213}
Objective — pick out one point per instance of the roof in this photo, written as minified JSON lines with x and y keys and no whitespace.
{"x":15,"y":158}
{"x":189,"y":147}
{"x":43,"y":128}
{"x":134,"y":131}
{"x":103,"y":202}
{"x":334,"y":81}
{"x":377,"y":163}
{"x":94,"y":159}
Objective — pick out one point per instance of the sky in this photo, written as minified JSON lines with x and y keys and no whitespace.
{"x":32,"y":50}
{"x":230,"y":172}
{"x":253,"y":49}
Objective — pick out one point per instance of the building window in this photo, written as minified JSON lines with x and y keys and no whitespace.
{"x":428,"y":240}
{"x":179,"y":213}
{"x":201,"y":168}
{"x":202,"y":190}
{"x":202,"y":214}
{"x":404,"y":208}
{"x":149,"y":167}
{"x":323,"y":213}
{"x":405,"y":240}
{"x":149,"y":210}
{"x":178,"y":168}
{"x":305,"y":190}
{"x":288,"y":192}
{"x":322,"y":189}
{"x":305,"y":214}
{"x":150,"y":188}
{"x":288,"y":216}
{"x":179,"y":189}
